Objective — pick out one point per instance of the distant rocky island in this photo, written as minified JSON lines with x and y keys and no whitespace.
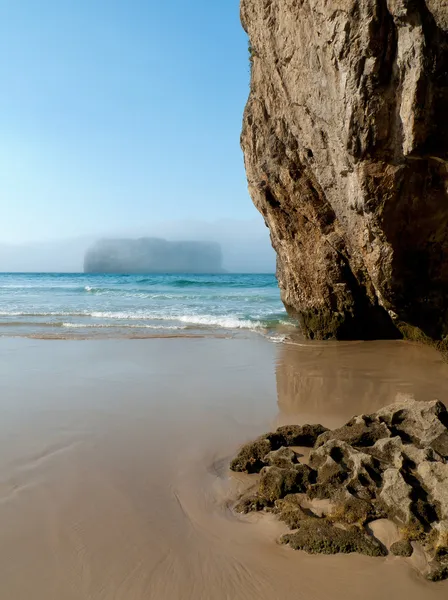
{"x":153,"y":255}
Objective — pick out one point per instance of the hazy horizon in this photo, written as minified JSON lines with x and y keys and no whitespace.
{"x":245,"y":246}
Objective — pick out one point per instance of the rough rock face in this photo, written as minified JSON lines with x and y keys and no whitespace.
{"x":402,"y":548}
{"x":345,"y":140}
{"x":317,"y":536}
{"x":382,"y":465}
{"x":261,"y":452}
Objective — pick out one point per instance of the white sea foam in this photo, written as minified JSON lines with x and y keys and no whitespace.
{"x":277,"y":338}
{"x":219,"y":321}
{"x":122,"y":315}
{"x":223,"y":321}
{"x":226,"y":322}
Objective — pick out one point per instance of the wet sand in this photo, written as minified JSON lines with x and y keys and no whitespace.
{"x":114,"y":454}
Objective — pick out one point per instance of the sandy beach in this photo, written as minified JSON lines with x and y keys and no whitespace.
{"x":114,"y":479}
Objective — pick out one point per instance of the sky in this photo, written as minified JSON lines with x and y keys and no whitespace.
{"x":117,"y":115}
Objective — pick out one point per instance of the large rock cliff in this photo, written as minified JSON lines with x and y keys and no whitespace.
{"x":345,"y":138}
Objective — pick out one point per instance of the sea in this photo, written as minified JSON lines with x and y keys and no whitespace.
{"x":61,"y":305}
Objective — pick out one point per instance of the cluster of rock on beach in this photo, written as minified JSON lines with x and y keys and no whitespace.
{"x":391,"y":464}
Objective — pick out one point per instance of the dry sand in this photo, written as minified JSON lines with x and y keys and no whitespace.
{"x":113,"y":466}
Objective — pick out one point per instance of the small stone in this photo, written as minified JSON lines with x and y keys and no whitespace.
{"x":318,"y":536}
{"x":417,"y":455}
{"x":339,"y":464}
{"x":275,"y":483}
{"x":402,"y":548}
{"x":440,"y":444}
{"x":338,"y":451}
{"x":440,"y":533}
{"x":357,"y":434}
{"x":301,"y":435}
{"x":418,"y":422}
{"x":434,"y":477}
{"x":250,"y":457}
{"x":283,"y":458}
{"x":396,"y":495}
{"x":290,"y":511}
{"x":437,"y":571}
{"x":331,"y":473}
{"x":352,"y":511}
{"x":330,"y":477}
{"x":388,"y":451}
{"x":249,"y":504}
{"x":424,"y":512}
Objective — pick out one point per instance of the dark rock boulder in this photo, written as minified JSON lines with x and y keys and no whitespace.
{"x":284,"y":458}
{"x":255,"y":455}
{"x":318,"y":536}
{"x":420,"y":423}
{"x":437,"y":571}
{"x":386,"y":465}
{"x":352,"y":510}
{"x":440,"y":444}
{"x":250,"y":458}
{"x":275,"y":483}
{"x":339,"y":463}
{"x":440,"y":540}
{"x":433,"y":477}
{"x":250,"y":503}
{"x":357,"y":434}
{"x":301,"y":435}
{"x":396,"y":495}
{"x":290,"y":511}
{"x":402,"y":548}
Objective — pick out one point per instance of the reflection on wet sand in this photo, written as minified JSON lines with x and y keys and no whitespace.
{"x":331,"y":382}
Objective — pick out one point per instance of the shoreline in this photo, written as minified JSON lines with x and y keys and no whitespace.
{"x":135,"y":332}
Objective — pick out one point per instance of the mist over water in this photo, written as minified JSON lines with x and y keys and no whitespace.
{"x":245,"y":246}
{"x":152,"y":255}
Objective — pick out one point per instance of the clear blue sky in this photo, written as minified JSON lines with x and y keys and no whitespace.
{"x":114,"y":113}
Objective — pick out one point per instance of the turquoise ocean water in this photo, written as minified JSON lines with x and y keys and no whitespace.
{"x":78,"y":305}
